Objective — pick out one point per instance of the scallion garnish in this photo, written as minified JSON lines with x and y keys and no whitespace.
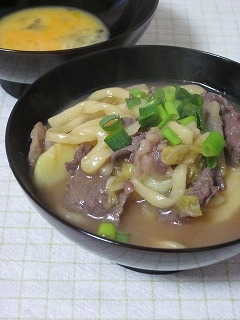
{"x":132,"y":102}
{"x":122,"y":237}
{"x":111,"y":122}
{"x":187,"y":108}
{"x":159,"y":93}
{"x":213,"y":145}
{"x":211,"y":162}
{"x":182,"y":94}
{"x":187,"y":120}
{"x":107,"y":230}
{"x":149,"y":114}
{"x":170,"y":93}
{"x":171,"y":136}
{"x":137,"y":93}
{"x":118,"y":139}
{"x":171,"y":107}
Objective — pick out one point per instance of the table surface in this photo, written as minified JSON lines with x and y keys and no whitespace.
{"x":43,"y":275}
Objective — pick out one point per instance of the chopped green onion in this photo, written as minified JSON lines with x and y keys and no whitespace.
{"x":149,"y":114}
{"x":111,"y":123}
{"x":163,"y":123}
{"x":213,"y":145}
{"x":133,"y":102}
{"x":171,"y":136}
{"x":187,"y":120}
{"x":107,"y":230}
{"x":171,"y":107}
{"x":159,"y":93}
{"x":118,"y":140}
{"x":197,"y":99}
{"x":162,"y":112}
{"x":211,"y":162}
{"x":136,"y":93}
{"x":182,"y":94}
{"x":187,"y":108}
{"x":170,"y":93}
{"x":122,"y":237}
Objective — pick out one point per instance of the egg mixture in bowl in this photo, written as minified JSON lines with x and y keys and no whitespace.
{"x":51,"y":28}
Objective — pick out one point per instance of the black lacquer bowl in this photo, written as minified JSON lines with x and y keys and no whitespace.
{"x":66,"y":83}
{"x":126,"y":19}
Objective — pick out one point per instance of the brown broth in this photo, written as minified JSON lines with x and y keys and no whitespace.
{"x":219,"y":223}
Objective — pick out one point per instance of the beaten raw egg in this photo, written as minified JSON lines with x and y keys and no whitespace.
{"x":51,"y":28}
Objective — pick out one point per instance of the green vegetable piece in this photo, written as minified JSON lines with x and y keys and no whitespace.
{"x":149,"y":114}
{"x":187,"y":120}
{"x":169,"y":117}
{"x":136,"y":93}
{"x":111,"y":123}
{"x":159,"y":94}
{"x":187,"y":108}
{"x":162,"y":112}
{"x":132,"y":102}
{"x":118,"y":140}
{"x":122,"y":237}
{"x":213,"y":145}
{"x":211,"y":162}
{"x":171,"y":136}
{"x":171,"y":107}
{"x":182,"y":94}
{"x":188,"y":205}
{"x":197,"y":99}
{"x":170,"y":93}
{"x":107,"y":230}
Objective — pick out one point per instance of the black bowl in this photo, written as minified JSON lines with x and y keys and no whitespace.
{"x":68,"y":83}
{"x":126,"y":19}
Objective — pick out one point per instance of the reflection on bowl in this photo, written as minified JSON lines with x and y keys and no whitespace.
{"x":126,"y":21}
{"x":67,"y":84}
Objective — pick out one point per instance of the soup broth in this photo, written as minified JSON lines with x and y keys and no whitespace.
{"x":146,"y":223}
{"x":218,"y":224}
{"x":51,"y":28}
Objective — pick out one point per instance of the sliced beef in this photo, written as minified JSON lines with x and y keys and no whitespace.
{"x":148,"y":158}
{"x":127,"y":153}
{"x":37,"y":146}
{"x":231,"y":126}
{"x":87,"y":194}
{"x":211,"y":110}
{"x":81,"y":151}
{"x":231,"y":120}
{"x":205,"y":187}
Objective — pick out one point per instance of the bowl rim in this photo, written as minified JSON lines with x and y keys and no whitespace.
{"x":95,"y":46}
{"x":67,"y":223}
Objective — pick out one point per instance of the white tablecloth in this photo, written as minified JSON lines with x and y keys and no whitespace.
{"x":45,"y":276}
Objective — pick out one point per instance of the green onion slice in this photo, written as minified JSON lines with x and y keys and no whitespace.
{"x":171,"y":136}
{"x":149,"y":114}
{"x":170,"y":93}
{"x":111,"y":123}
{"x":122,"y":237}
{"x":118,"y":140}
{"x":211,"y":162}
{"x":213,"y":145}
{"x":107,"y":230}
{"x":137,"y":93}
{"x":159,"y":93}
{"x":132,"y":102}
{"x":187,"y":120}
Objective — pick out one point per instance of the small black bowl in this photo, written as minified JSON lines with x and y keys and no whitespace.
{"x":126,"y":19}
{"x":68,"y":83}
